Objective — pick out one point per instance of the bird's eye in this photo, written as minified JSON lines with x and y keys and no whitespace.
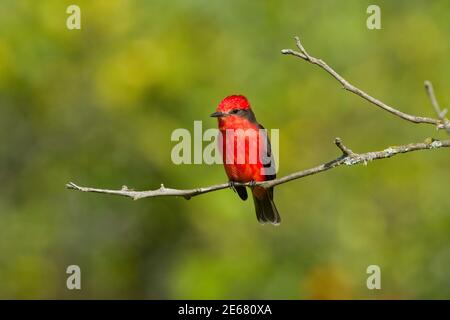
{"x":234,"y":111}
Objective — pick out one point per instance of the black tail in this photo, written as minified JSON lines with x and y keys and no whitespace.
{"x":266,"y":211}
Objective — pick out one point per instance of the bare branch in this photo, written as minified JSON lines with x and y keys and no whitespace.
{"x":348,"y":158}
{"x":162,"y":191}
{"x":440,"y":123}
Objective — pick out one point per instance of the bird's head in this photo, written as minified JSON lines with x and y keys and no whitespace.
{"x":235,"y":105}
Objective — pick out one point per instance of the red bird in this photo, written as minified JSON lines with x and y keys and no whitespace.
{"x":247,"y":155}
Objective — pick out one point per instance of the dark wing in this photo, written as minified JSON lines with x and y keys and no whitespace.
{"x":270,"y":170}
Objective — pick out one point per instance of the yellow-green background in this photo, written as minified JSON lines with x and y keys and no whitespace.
{"x":97,"y":106}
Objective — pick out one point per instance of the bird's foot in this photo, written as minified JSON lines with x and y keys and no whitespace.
{"x":252,"y":184}
{"x":231,"y":184}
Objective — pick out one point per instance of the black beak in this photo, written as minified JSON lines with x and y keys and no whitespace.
{"x":217,"y":114}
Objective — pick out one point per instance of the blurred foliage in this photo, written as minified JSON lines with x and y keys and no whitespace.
{"x":97,"y":106}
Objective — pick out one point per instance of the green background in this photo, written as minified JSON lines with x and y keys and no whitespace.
{"x":97,"y":106}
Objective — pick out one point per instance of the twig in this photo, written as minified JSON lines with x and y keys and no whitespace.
{"x":345,"y":151}
{"x":441,"y":123}
{"x":348,"y":158}
{"x":440,"y":113}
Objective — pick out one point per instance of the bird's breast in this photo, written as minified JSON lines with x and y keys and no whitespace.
{"x":239,"y":141}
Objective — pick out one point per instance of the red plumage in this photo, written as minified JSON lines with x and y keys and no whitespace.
{"x":246,"y":153}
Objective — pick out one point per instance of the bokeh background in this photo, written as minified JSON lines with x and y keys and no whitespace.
{"x":97,"y":106}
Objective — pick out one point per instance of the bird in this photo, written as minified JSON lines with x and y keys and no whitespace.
{"x":247,"y":155}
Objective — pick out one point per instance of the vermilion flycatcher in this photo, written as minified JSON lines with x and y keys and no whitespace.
{"x":246,"y":154}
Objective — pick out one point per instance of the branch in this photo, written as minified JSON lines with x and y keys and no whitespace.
{"x":348,"y":158}
{"x":441,"y":123}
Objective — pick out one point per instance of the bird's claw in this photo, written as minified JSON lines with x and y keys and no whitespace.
{"x":232,"y":186}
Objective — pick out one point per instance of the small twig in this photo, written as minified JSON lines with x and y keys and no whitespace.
{"x":348,"y":158}
{"x":440,"y":113}
{"x":301,"y":48}
{"x":439,"y":123}
{"x":346,"y":151}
